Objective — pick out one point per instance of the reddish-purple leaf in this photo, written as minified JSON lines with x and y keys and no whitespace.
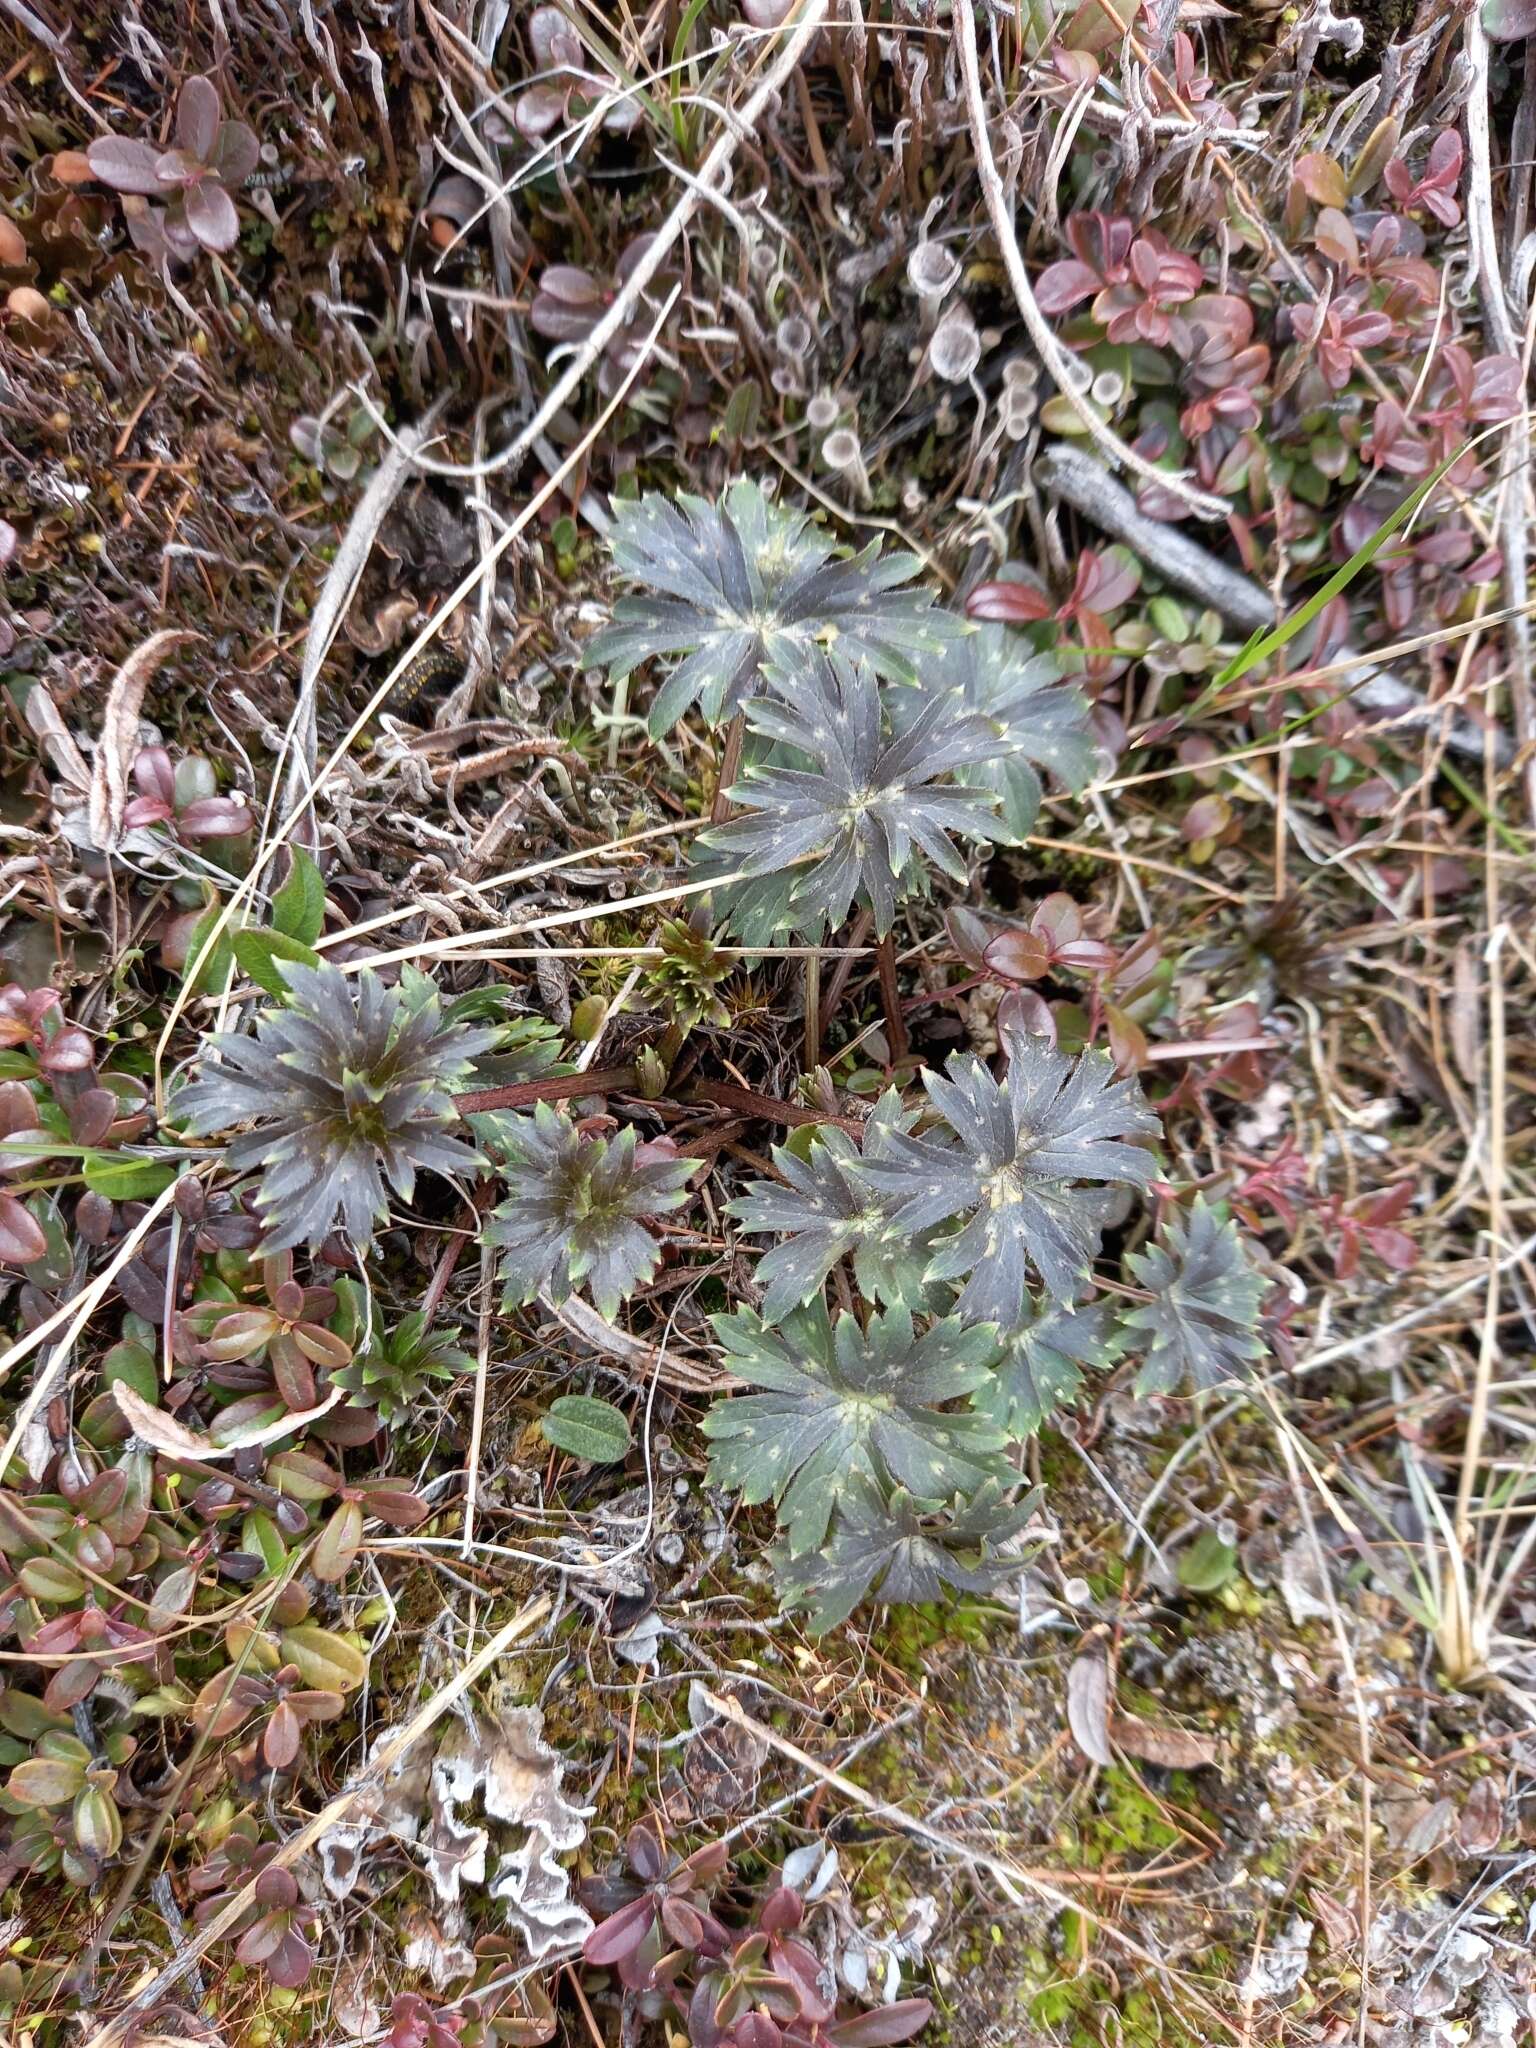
{"x":1018,"y":956}
{"x":68,"y":1052}
{"x":214,"y":817}
{"x":125,"y":165}
{"x":1015,"y":604}
{"x":1062,"y":286}
{"x":293,"y":1961}
{"x":646,"y":1855}
{"x":236,"y":154}
{"x":142,"y":811}
{"x":282,"y":1737}
{"x":21,"y":1236}
{"x":277,"y":1888}
{"x":197,"y":118}
{"x":154,"y":775}
{"x":291,"y":1373}
{"x":682,"y":1923}
{"x":91,"y":1115}
{"x":885,"y":2026}
{"x":262,"y":1941}
{"x":211,"y":215}
{"x":620,"y":1934}
{"x":396,"y":1505}
{"x":1025,"y":1009}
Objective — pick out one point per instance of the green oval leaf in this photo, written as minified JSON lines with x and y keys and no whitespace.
{"x":1207,"y":1564}
{"x":45,"y":1781}
{"x":260,"y":1535}
{"x":209,"y":959}
{"x":326,"y":1662}
{"x":49,"y":1578}
{"x":134,"y":1365}
{"x":261,"y":955}
{"x":122,"y":1179}
{"x":298,"y":907}
{"x":587,"y":1428}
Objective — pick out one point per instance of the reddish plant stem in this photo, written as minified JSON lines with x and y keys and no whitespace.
{"x":557,"y":1088}
{"x":769,"y":1108}
{"x":890,"y":1000}
{"x":730,"y":762}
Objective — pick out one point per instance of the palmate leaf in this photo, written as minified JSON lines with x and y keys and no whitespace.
{"x":577,"y":1208}
{"x":347,"y":1088}
{"x":1041,"y":1368}
{"x":904,"y":1550}
{"x":826,"y":1213}
{"x":1203,"y":1320}
{"x":1015,"y":1164}
{"x":842,"y":1402}
{"x":1034,"y":719}
{"x":728,"y":589}
{"x":851,"y":810}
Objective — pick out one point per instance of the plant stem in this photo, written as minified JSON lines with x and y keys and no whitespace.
{"x":768,"y":1107}
{"x":812,"y":1012}
{"x":557,"y":1088}
{"x":890,"y":999}
{"x":730,"y":762}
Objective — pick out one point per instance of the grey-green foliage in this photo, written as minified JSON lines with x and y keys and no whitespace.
{"x":1201,"y":1325}
{"x":726,"y":590}
{"x":901,"y":1549}
{"x":576,"y":1212}
{"x":348,"y":1090}
{"x":1025,"y":1162}
{"x":1033,"y":719}
{"x":835,"y":1402}
{"x":847,"y":809}
{"x":825,"y":1212}
{"x":1043,"y":1360}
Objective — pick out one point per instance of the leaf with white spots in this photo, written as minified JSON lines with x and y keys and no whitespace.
{"x":1202,"y":1323}
{"x":841,"y":1403}
{"x":824,"y":1213}
{"x":1025,"y":1162}
{"x":901,"y":1550}
{"x":723,"y":591}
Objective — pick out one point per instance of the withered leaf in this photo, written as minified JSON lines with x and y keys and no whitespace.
{"x":1171,"y":1749}
{"x":1481,"y":1825}
{"x":163,"y":1433}
{"x":118,"y":741}
{"x":1340,"y":1925}
{"x":1088,"y":1707}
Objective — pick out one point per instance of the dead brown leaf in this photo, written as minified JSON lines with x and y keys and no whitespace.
{"x":118,"y":742}
{"x":1480,"y":1828}
{"x":42,"y":715}
{"x":162,"y":1432}
{"x":1340,"y":1925}
{"x":1088,"y":1707}
{"x":1171,"y":1749}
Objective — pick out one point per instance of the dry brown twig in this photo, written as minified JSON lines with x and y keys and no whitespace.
{"x":1513,"y":521}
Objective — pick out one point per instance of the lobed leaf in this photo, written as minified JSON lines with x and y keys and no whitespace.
{"x":841,"y":1402}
